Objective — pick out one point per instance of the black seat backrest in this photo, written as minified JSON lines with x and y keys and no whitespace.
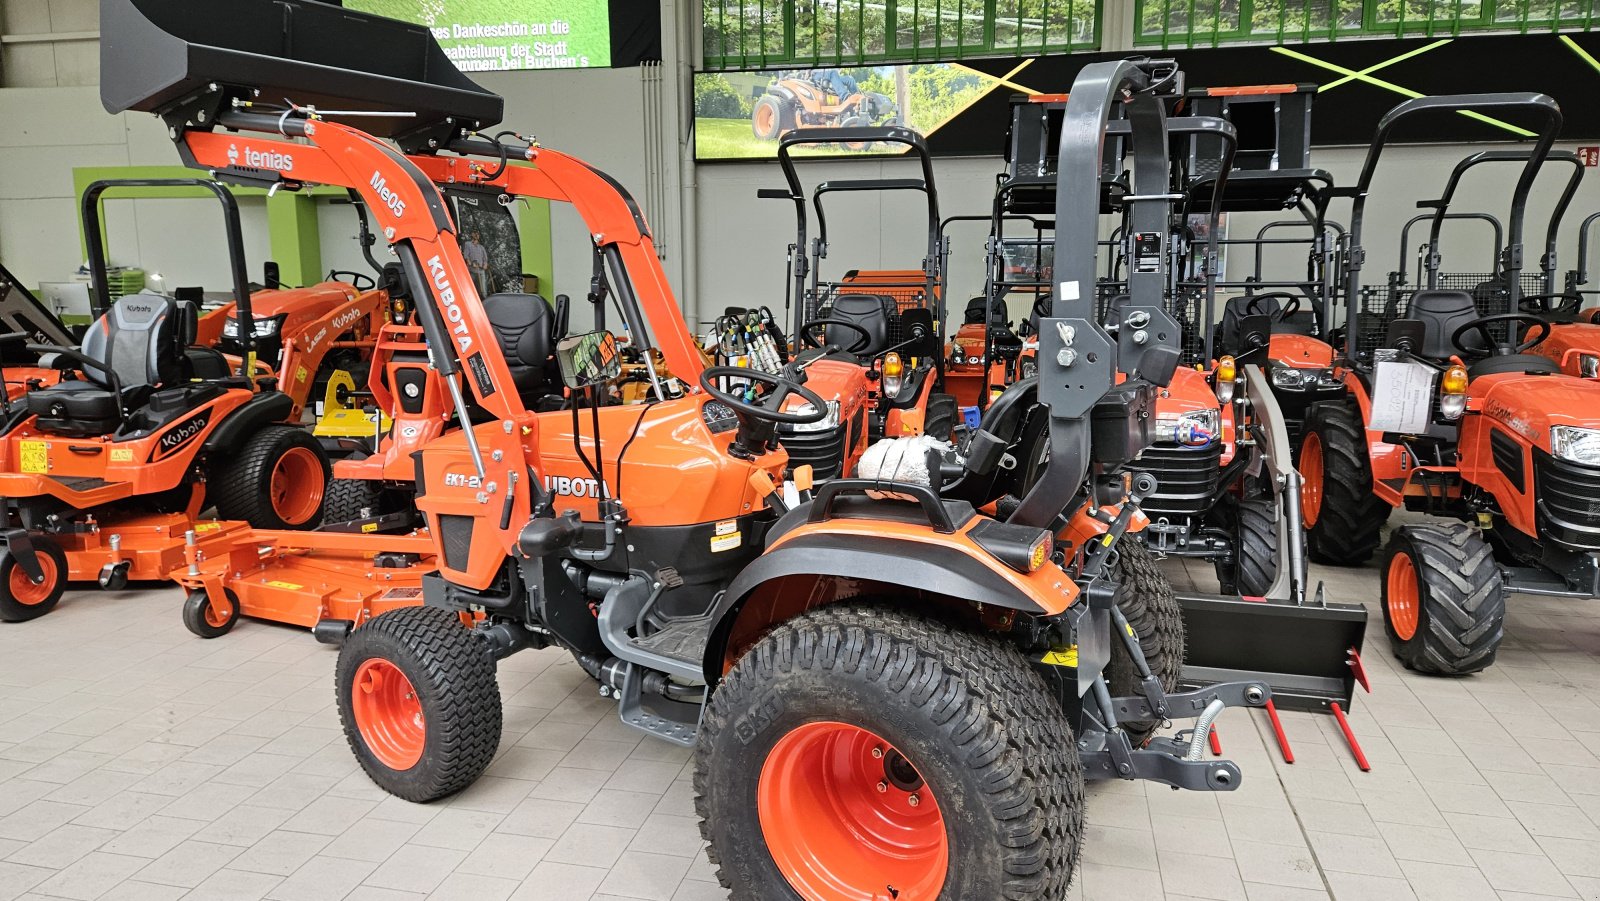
{"x":524,"y":325}
{"x":873,"y":312}
{"x":139,"y":339}
{"x":1441,"y":313}
{"x":1235,"y":311}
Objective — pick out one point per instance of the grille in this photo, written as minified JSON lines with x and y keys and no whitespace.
{"x":1568,"y":501}
{"x":1186,"y":477}
{"x":455,"y":533}
{"x":823,"y":450}
{"x":1507,"y":455}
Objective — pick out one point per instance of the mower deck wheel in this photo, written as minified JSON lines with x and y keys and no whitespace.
{"x":419,"y":702}
{"x":1145,"y":597}
{"x":1444,"y":601}
{"x":21,"y":598}
{"x":1342,"y":516}
{"x":1253,"y":525}
{"x":276,"y":481}
{"x":202,"y":618}
{"x":866,"y":752}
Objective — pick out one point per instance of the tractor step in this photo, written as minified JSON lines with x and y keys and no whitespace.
{"x":683,"y":639}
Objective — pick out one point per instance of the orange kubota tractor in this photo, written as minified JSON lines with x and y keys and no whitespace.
{"x":819,"y":98}
{"x":868,"y":342}
{"x":717,"y":615}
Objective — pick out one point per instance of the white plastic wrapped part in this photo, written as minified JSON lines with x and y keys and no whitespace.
{"x":899,"y":460}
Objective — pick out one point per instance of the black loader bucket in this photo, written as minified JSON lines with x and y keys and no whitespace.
{"x":157,"y":55}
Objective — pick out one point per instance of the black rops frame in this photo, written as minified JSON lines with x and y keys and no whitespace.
{"x":808,"y":261}
{"x":232,"y":231}
{"x":1511,"y":255}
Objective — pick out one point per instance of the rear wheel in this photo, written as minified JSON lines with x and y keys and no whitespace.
{"x":1253,"y":565}
{"x":1444,"y":602}
{"x":1144,"y":595}
{"x":771,"y":117}
{"x":352,"y":499}
{"x":419,"y":703}
{"x":860,"y":752}
{"x":277,"y":480}
{"x":1342,"y":516}
{"x":21,"y":598}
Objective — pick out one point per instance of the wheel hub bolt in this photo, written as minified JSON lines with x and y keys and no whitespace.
{"x":883,"y":786}
{"x":914,"y":800}
{"x":877,"y":753}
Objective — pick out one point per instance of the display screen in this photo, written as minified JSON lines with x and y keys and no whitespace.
{"x":508,"y":35}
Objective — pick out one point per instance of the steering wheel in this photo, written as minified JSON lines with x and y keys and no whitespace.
{"x":1288,"y":309}
{"x":1501,"y":348}
{"x":1547,"y":304}
{"x":811,"y":341}
{"x":354,"y":278}
{"x":769,"y":408}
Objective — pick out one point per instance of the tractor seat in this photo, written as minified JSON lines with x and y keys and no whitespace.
{"x":139,"y":340}
{"x":525,"y":327}
{"x":873,"y":312}
{"x":1441,"y":313}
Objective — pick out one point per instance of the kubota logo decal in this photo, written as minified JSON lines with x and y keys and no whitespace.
{"x":570,"y":487}
{"x":346,"y":318}
{"x":393,"y":201}
{"x":181,"y":434}
{"x":452,"y":311}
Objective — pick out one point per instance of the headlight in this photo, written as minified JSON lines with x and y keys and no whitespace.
{"x":1293,"y":378}
{"x":829,"y":421}
{"x":1589,"y":366}
{"x":264,"y":327}
{"x":1197,"y":428}
{"x":230,"y":329}
{"x":1575,"y":445}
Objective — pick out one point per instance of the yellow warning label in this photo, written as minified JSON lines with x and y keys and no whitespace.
{"x":300,"y":374}
{"x":291,"y":586}
{"x":1067,"y":656}
{"x":121,"y":455}
{"x":720,"y":543}
{"x":369,"y":527}
{"x":207,"y":526}
{"x":35,"y":456}
{"x":1106,"y":539}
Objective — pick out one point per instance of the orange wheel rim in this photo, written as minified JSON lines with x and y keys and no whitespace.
{"x":27,"y":592}
{"x":1311,"y":474}
{"x":764,"y":118}
{"x":388,"y":714}
{"x":846,"y":817}
{"x":218,"y":618}
{"x":1402,"y":595}
{"x":296,"y":486}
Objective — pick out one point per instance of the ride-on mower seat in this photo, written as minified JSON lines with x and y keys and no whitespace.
{"x":873,"y":312}
{"x":139,"y":340}
{"x":205,"y":363}
{"x":524,"y":325}
{"x":1441,"y":313}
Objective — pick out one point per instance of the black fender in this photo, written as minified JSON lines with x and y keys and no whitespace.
{"x":264,"y":409}
{"x":782,"y":92}
{"x":934,"y":568}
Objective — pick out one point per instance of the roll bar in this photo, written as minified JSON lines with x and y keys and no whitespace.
{"x":1433,"y":237}
{"x":1581,"y":274}
{"x":234,"y":234}
{"x":1194,"y":127}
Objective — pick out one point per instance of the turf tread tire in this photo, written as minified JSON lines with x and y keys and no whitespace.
{"x":1347,"y":530}
{"x":1145,"y":597}
{"x":344,"y":499}
{"x":454,"y":675}
{"x":241,"y":485}
{"x":1462,"y":599}
{"x":981,"y":697}
{"x":1253,"y":526}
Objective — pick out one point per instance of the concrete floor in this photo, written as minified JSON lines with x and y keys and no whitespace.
{"x":139,"y":762}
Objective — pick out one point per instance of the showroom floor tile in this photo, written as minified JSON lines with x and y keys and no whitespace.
{"x":138,"y":762}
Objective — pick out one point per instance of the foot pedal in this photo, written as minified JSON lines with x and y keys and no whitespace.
{"x":332,"y":631}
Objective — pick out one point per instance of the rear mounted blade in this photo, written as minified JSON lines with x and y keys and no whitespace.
{"x":1302,"y":651}
{"x":157,"y":54}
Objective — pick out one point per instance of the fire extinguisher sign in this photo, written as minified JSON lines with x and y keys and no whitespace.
{"x":1589,"y":156}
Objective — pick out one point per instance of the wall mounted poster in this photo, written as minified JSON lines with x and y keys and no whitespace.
{"x":501,"y":35}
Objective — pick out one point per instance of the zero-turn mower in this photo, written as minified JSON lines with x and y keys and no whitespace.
{"x":878,"y":648}
{"x":1450,"y":413}
{"x":820,"y":98}
{"x":104,"y":472}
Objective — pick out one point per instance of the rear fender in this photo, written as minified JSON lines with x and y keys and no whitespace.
{"x":263,"y":409}
{"x":907,"y":564}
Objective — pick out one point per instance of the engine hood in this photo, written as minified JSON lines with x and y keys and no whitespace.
{"x":1530,"y":404}
{"x":1188,"y":391}
{"x":1300,"y":352}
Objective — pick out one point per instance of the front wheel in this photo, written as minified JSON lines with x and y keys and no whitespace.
{"x":1444,"y":600}
{"x":202,"y":617}
{"x":1145,"y":597}
{"x":1252,"y":566}
{"x":942,"y":417}
{"x":22,"y":598}
{"x":276,"y":481}
{"x":863,"y":752}
{"x":1341,"y":514}
{"x":419,"y":702}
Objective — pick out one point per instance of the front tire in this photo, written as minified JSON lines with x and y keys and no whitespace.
{"x":21,"y":598}
{"x":1145,"y":597}
{"x":419,"y":702}
{"x":1444,"y":600}
{"x":202,"y":618}
{"x":1342,"y":516}
{"x":941,"y":418}
{"x":836,"y":719}
{"x":1253,"y":526}
{"x":276,"y":481}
